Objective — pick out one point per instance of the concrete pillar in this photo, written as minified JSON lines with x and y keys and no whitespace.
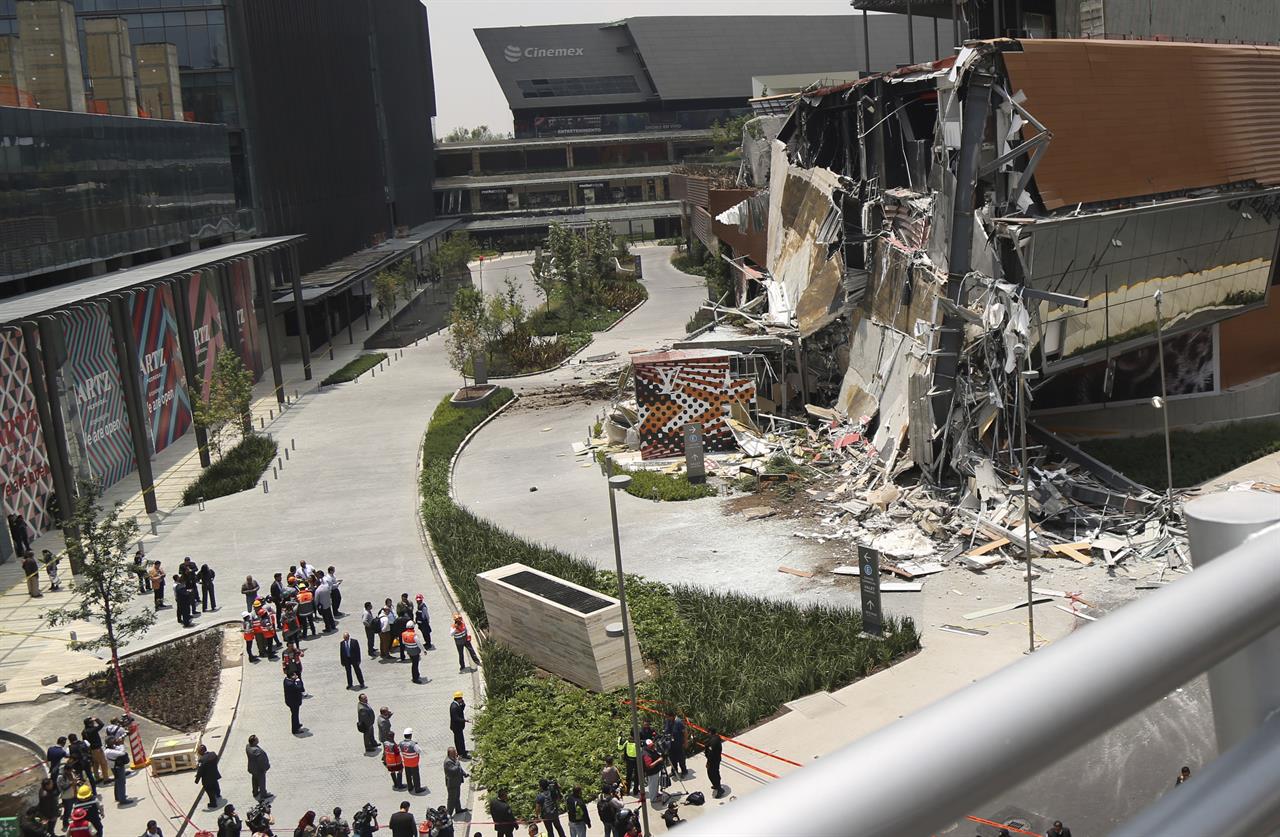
{"x":13,"y":76}
{"x":187,"y":346}
{"x":51,"y":54}
{"x":159,"y":85}
{"x":671,"y":151}
{"x":568,"y":156}
{"x":475,"y":161}
{"x":266,"y":289}
{"x":135,"y":407}
{"x":109,"y":60}
{"x":1244,"y":688}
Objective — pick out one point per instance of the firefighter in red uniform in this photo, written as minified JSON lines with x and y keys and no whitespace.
{"x":391,"y":758}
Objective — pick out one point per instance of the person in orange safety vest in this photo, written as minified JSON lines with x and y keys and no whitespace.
{"x":411,"y":642}
{"x":266,"y":633}
{"x":394,"y":763}
{"x":411,"y":756}
{"x":248,"y":630}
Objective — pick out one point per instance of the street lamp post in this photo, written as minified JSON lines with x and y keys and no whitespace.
{"x":617,"y":483}
{"x":1158,"y":297}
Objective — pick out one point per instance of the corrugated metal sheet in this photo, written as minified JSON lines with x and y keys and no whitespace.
{"x":698,"y":191}
{"x":1142,"y":118}
{"x":701,"y":223}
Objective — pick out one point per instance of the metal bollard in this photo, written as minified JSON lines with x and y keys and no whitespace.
{"x":293,"y":443}
{"x":200,"y":503}
{"x":272,"y":413}
{"x":274,"y":474}
{"x":265,"y":490}
{"x":286,"y":454}
{"x":280,"y":463}
{"x":262,"y":423}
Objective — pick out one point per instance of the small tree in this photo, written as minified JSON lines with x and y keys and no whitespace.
{"x":544,"y":275}
{"x":567,"y":255}
{"x":480,"y":133}
{"x":452,"y":255}
{"x":388,"y":286}
{"x":106,"y":583}
{"x":230,"y":394}
{"x":600,"y":247}
{"x":466,"y":338}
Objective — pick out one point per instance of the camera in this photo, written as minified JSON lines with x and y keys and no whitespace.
{"x":365,"y":821}
{"x":259,"y":818}
{"x":441,"y":822}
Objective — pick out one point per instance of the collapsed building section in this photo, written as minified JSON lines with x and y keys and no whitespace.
{"x":1013,"y":225}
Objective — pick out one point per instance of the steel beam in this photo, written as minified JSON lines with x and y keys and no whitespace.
{"x":289,"y":260}
{"x":134,"y":401}
{"x":266,"y":288}
{"x":190,"y":359}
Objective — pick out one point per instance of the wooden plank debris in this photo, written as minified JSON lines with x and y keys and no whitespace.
{"x":994,"y":543}
{"x":1066,"y":609}
{"x":846,"y":570}
{"x":992,"y":611}
{"x":758,"y":512}
{"x":1075,"y":551}
{"x":956,"y":629}
{"x":794,"y":571}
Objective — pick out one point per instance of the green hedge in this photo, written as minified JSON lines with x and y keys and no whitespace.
{"x":724,"y":659}
{"x":238,"y":470}
{"x":1198,"y":455}
{"x":354,"y":369}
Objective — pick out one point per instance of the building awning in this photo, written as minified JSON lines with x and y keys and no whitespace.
{"x":71,"y":293}
{"x":358,"y":266}
{"x":576,"y":215}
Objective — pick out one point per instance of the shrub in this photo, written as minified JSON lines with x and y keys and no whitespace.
{"x":654,"y":485}
{"x":725,"y":660}
{"x":238,"y":470}
{"x":1198,"y":455}
{"x":354,"y":368}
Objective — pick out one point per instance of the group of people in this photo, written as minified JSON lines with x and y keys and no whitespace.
{"x":78,"y":764}
{"x":192,"y":586}
{"x":281,"y":617}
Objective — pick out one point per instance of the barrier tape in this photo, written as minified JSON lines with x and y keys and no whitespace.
{"x":641,"y":704}
{"x":1011,"y":829}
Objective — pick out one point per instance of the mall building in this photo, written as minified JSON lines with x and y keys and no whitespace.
{"x":602,"y":112}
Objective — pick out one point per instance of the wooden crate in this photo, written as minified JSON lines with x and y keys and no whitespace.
{"x":174,"y":753}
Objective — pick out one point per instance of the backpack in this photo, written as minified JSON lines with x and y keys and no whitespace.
{"x":604,"y":807}
{"x":696,"y":798}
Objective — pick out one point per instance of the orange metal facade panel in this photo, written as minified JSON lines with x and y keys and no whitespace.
{"x":1134,"y":118}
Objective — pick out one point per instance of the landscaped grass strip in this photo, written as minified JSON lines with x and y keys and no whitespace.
{"x":354,"y":368}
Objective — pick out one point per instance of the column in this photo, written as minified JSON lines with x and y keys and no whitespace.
{"x":187,"y":346}
{"x":127,"y":359}
{"x":266,"y":289}
{"x":290,"y":258}
{"x":55,"y":443}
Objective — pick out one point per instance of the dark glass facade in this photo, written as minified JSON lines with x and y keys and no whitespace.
{"x":197,"y":29}
{"x":78,"y":187}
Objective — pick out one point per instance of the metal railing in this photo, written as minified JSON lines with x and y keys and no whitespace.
{"x":919,"y":775}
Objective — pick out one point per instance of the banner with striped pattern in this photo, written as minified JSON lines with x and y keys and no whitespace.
{"x":24,"y":466}
{"x":160,"y":365}
{"x":96,"y":395}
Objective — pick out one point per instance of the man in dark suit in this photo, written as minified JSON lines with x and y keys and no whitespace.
{"x":207,"y":775}
{"x":349,"y":653}
{"x":504,"y":819}
{"x":365,"y":722}
{"x":293,"y":699}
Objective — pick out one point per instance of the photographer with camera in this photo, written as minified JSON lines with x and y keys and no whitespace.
{"x":547,"y":805}
{"x":365,"y":821}
{"x":654,"y":772}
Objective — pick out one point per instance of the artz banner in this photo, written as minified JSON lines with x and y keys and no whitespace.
{"x":97,"y":398}
{"x":25,"y":476}
{"x":160,"y":367}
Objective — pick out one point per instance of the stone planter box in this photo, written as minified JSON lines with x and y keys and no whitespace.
{"x":558,"y":625}
{"x":473,"y":396}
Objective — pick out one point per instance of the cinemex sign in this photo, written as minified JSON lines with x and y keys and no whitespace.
{"x":515,"y":53}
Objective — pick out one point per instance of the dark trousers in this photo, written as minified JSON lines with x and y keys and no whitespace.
{"x":713,"y":773}
{"x":337,"y":602}
{"x":355,"y":666}
{"x":412,"y":779}
{"x":455,"y":800}
{"x":158,"y":593}
{"x":633,"y":778}
{"x":121,"y":795}
{"x":67,"y":805}
{"x":384,"y":645}
{"x":396,"y":782}
{"x":458,"y":743}
{"x":414,"y":660}
{"x":370,"y":637}
{"x":549,"y":823}
{"x":293,"y":717}
{"x":308,"y":623}
{"x":248,"y":649}
{"x":258,"y":783}
{"x":370,"y":743}
{"x":213,"y":790}
{"x":330,"y":624}
{"x":678,"y":762}
{"x":505,"y":829}
{"x":468,"y":649}
{"x":208,"y":600}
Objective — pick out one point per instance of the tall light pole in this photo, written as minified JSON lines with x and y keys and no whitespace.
{"x":1020,"y":352}
{"x":618,"y":483}
{"x":1164,"y":406}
